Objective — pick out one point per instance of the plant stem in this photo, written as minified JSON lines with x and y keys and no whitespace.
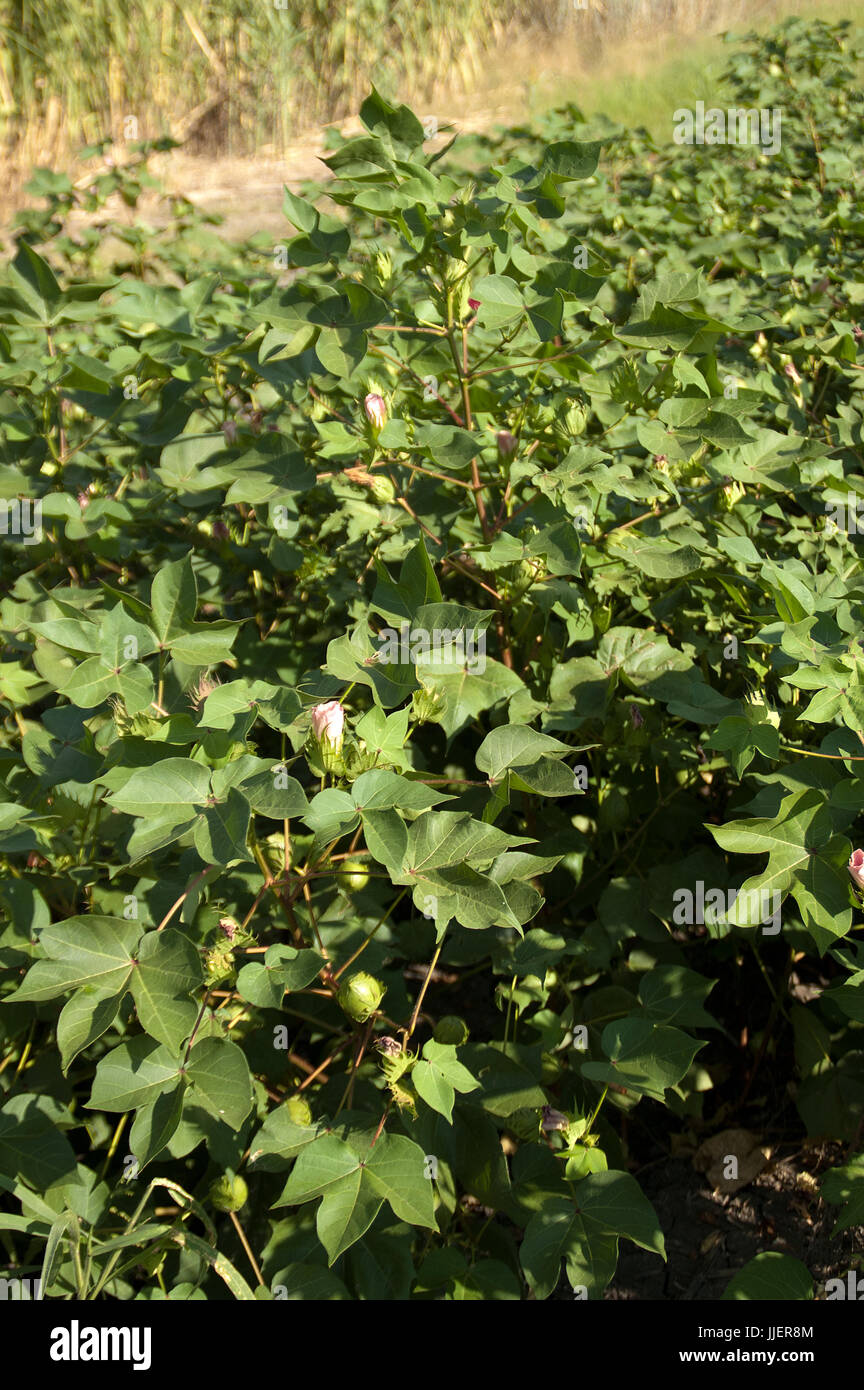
{"x":246,"y":1246}
{"x":417,"y":1007}
{"x":362,"y":947}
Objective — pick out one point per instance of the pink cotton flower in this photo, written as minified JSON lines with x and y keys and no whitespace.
{"x":376,"y":410}
{"x":506,"y":444}
{"x":856,"y":866}
{"x":328,"y":723}
{"x":474,"y":304}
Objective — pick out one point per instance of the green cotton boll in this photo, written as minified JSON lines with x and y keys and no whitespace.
{"x":353,"y":875}
{"x":299,"y":1111}
{"x":382,"y":489}
{"x":360,"y":995}
{"x":228,"y":1194}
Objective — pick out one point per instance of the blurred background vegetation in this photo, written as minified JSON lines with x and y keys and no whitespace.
{"x":231,"y":77}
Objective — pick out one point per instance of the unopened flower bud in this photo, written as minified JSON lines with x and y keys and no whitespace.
{"x":228,"y":927}
{"x":552,"y":1120}
{"x":506,"y":444}
{"x":576,"y":419}
{"x":382,"y":489}
{"x":856,"y":867}
{"x":427,"y":704}
{"x":730,"y":495}
{"x":383,"y":266}
{"x":328,"y":724}
{"x":376,"y":411}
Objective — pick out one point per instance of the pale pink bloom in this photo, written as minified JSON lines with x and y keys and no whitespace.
{"x":792,"y":372}
{"x":506,"y":444}
{"x":328,"y":722}
{"x":376,"y":410}
{"x":856,"y":866}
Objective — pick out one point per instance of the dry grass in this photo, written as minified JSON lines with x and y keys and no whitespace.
{"x":259,"y":80}
{"x":232,"y":77}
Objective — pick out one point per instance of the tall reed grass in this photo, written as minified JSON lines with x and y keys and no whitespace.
{"x":239,"y":75}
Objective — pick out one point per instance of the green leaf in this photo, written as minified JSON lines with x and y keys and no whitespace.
{"x":571,"y":159}
{"x":221,"y":830}
{"x":221,"y":1079}
{"x":86,"y":1016}
{"x":806,"y":858}
{"x":32,"y":1148}
{"x":771,"y":1276}
{"x":844,"y":1186}
{"x":439,"y":1075}
{"x":645,"y":1059}
{"x":584,"y":1232}
{"x":355,"y":1178}
{"x":92,"y":950}
{"x":133,"y":1074}
{"x":284,"y":969}
{"x":155,"y":1124}
{"x":501,"y":300}
{"x":533,"y":759}
{"x":167,"y":970}
{"x":173,"y":783}
{"x":506,"y":1083}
